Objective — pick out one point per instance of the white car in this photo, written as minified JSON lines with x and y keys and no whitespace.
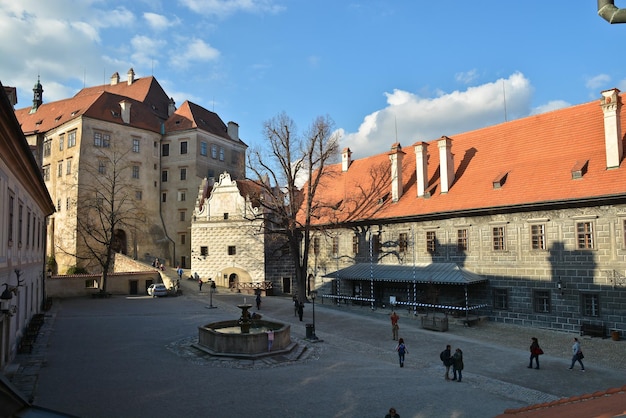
{"x":157,"y":289}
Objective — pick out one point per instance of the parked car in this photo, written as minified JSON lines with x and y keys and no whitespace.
{"x":157,"y":289}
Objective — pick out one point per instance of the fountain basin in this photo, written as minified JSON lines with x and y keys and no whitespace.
{"x":222,"y":338}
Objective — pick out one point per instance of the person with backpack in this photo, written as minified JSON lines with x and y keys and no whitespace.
{"x":446,"y":359}
{"x":401,"y":349}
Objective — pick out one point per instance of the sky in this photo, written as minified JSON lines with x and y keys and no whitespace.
{"x":383,"y":71}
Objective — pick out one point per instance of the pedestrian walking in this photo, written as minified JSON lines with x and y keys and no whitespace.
{"x":392,"y":413}
{"x":270,"y":339}
{"x":179,"y":271}
{"x":446,"y":359}
{"x":300,"y":310}
{"x":535,"y":352}
{"x":577,"y":355}
{"x":258,"y":301}
{"x":402,"y":350}
{"x":394,"y":325}
{"x":295,"y":304}
{"x":457,"y":365}
{"x":200,"y":285}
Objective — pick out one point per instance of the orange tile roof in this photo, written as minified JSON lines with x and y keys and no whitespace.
{"x":102,"y":103}
{"x":191,"y":116}
{"x":537,"y":153}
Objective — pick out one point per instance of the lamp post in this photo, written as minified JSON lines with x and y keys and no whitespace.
{"x":313,"y":295}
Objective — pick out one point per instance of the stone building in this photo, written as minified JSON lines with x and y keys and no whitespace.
{"x":165,"y":153}
{"x":535,"y":206}
{"x":25,"y":206}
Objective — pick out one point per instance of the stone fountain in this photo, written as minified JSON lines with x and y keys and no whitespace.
{"x":245,"y":337}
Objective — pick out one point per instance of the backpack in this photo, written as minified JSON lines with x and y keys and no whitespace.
{"x":442,"y":356}
{"x":401,"y":349}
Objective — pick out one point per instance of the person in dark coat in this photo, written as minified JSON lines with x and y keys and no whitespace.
{"x":446,"y":359}
{"x":258,"y":301}
{"x":535,"y":351}
{"x":300,"y":310}
{"x":457,"y":365}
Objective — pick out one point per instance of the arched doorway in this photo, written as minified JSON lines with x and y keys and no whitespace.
{"x":233,"y":281}
{"x":120,"y":242}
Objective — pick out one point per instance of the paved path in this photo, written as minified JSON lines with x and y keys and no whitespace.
{"x":131,"y":357}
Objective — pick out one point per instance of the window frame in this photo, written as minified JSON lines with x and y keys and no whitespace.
{"x":542,"y":301}
{"x":165,"y":150}
{"x":462,"y":240}
{"x":136,"y":144}
{"x":498,"y":237}
{"x":538,"y":237}
{"x":585,"y":239}
{"x":500,"y":298}
{"x":590,"y":304}
{"x":184,"y":147}
{"x":403,"y":239}
{"x":431,"y":242}
{"x":71,"y":139}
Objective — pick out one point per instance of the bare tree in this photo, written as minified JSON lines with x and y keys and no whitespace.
{"x":287,"y":162}
{"x":106,"y":208}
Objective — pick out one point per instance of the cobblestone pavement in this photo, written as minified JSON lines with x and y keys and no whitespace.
{"x":135,"y":356}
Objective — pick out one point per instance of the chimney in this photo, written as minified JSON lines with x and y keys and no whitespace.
{"x":115,"y":78}
{"x":171,"y":107}
{"x":611,"y":105}
{"x":346,"y":160}
{"x":125,"y":106}
{"x":233,"y":131}
{"x":396,"y":156}
{"x":131,"y":76}
{"x":446,"y":164}
{"x":421,"y":168}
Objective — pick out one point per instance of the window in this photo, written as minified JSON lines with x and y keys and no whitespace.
{"x":500,"y":299}
{"x":47,"y":146}
{"x":46,"y":173}
{"x":461,"y":240}
{"x":538,"y":237}
{"x":165,"y":150}
{"x":221,"y":154}
{"x":590,"y":304}
{"x":183,"y":174}
{"x":402,"y":242}
{"x":203,"y":148}
{"x":584,"y":235}
{"x":183,"y":239}
{"x":91,"y":284}
{"x":355,"y":244}
{"x":377,"y":245}
{"x":11,"y":209}
{"x":71,"y":139}
{"x":211,"y":173}
{"x":225,"y":216}
{"x":182,"y":196}
{"x":214,"y":151}
{"x":164,"y":197}
{"x":58,"y":205}
{"x":20,"y":223}
{"x":60,"y":169}
{"x":102,"y":167}
{"x":69,"y":167}
{"x":135,"y":172}
{"x":101,"y":139}
{"x":541,"y":301}
{"x":336,"y":245}
{"x":232,"y":250}
{"x":498,"y":238}
{"x":183,"y":147}
{"x":316,"y":245}
{"x":182,"y":215}
{"x":61,"y":141}
{"x":138,"y":195}
{"x":164,"y":176}
{"x":204,"y":251}
{"x":234,"y":157}
{"x":431,"y":241}
{"x":136,"y":143}
{"x":28,"y":229}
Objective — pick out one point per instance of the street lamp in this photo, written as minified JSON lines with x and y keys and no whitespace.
{"x":313,"y":294}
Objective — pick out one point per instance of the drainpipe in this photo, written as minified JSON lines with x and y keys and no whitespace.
{"x":611,"y":13}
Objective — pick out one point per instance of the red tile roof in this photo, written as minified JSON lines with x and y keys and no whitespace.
{"x":102,"y":103}
{"x":191,"y":116}
{"x":536,"y":153}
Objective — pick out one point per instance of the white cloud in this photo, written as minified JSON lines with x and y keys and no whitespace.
{"x":159,"y":22}
{"x":416,"y":118}
{"x":467,"y":77}
{"x":223,"y":8}
{"x":550,"y":106}
{"x":195,"y":50}
{"x":598,"y":82}
{"x":146,"y":50}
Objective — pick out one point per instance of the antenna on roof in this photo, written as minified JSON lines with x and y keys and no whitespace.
{"x":504,"y":96}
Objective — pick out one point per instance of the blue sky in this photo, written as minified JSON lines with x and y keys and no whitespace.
{"x":384,"y":71}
